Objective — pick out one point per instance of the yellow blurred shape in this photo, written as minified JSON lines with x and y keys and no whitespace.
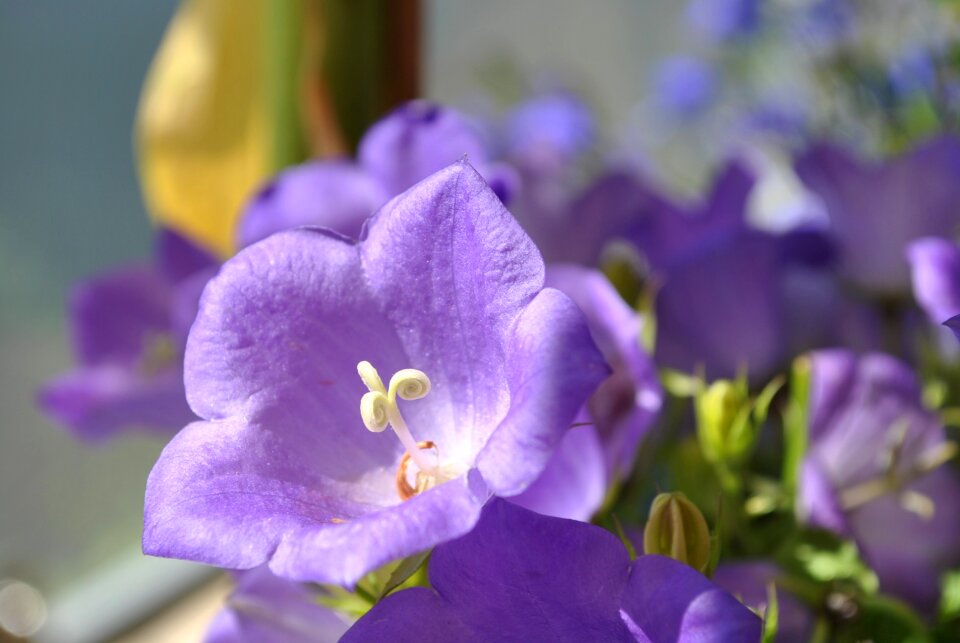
{"x":202,"y":131}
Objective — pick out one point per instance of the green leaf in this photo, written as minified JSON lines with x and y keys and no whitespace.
{"x":826,"y":559}
{"x":681,"y":384}
{"x":796,"y":425}
{"x":761,"y":407}
{"x":771,"y":615}
{"x":622,"y":535}
{"x":403,"y":571}
{"x":882,"y":619}
{"x":950,"y":595}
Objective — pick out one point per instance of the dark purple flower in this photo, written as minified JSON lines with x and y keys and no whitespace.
{"x":935,"y":268}
{"x":876,"y":209}
{"x":283,"y":470}
{"x":684,"y":86}
{"x":617,"y":415}
{"x":268,"y":609}
{"x":748,"y":581}
{"x":128,"y":329}
{"x":871,"y":472}
{"x":412,"y":142}
{"x":521,"y":576}
{"x":720,"y":302}
{"x":723,"y":20}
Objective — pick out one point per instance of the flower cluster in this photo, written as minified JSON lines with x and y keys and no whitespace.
{"x":477,"y":384}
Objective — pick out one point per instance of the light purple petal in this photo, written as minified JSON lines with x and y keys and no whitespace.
{"x":574,"y":483}
{"x":332,"y":194}
{"x":237,"y":496}
{"x":553,"y":367}
{"x":268,"y":609}
{"x":670,"y":601}
{"x":113,"y":315}
{"x":935,"y":269}
{"x":414,"y":141}
{"x":516,"y":576}
{"x":818,"y":503}
{"x":97,"y":402}
{"x":625,"y":404}
{"x":910,"y":552}
{"x":882,"y":395}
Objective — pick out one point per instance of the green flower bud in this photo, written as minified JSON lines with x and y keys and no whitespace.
{"x":677,"y":529}
{"x":723,"y":417}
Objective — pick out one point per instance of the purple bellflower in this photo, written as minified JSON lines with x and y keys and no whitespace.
{"x":444,"y":292}
{"x":617,"y":416}
{"x":268,"y":609}
{"x":872,"y":472}
{"x":875,"y":210}
{"x":520,"y":576}
{"x":128,"y":329}
{"x":935,"y":269}
{"x":409,"y":144}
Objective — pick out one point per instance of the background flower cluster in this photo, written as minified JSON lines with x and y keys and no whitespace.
{"x":691,"y":377}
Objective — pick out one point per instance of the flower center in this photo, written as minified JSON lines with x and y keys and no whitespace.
{"x":379,"y":409}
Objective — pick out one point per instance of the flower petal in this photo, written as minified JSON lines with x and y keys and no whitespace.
{"x":414,"y":141}
{"x":333,"y":194}
{"x":268,"y":609}
{"x":237,"y":496}
{"x":574,"y":483}
{"x":97,"y":402}
{"x":935,"y":265}
{"x":452,"y":270}
{"x":877,"y":209}
{"x":553,"y":367}
{"x":517,"y":576}
{"x":112,"y":314}
{"x":670,"y":601}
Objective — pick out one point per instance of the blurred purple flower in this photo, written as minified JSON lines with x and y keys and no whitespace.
{"x":913,"y":72}
{"x":617,"y":416}
{"x":128,"y":329}
{"x":684,"y":86}
{"x":871,"y":472}
{"x":525,"y":577}
{"x":549,"y":131}
{"x":876,"y":209}
{"x":283,"y":470}
{"x":822,"y":25}
{"x":721,"y":298}
{"x":409,"y":144}
{"x":724,"y":20}
{"x":935,"y":268}
{"x":268,"y":609}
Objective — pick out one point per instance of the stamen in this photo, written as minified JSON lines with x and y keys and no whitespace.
{"x":379,"y":409}
{"x":404,"y":488}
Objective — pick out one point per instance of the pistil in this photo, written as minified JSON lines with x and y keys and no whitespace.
{"x":379,"y":408}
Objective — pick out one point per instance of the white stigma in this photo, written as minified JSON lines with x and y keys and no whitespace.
{"x":379,"y":409}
